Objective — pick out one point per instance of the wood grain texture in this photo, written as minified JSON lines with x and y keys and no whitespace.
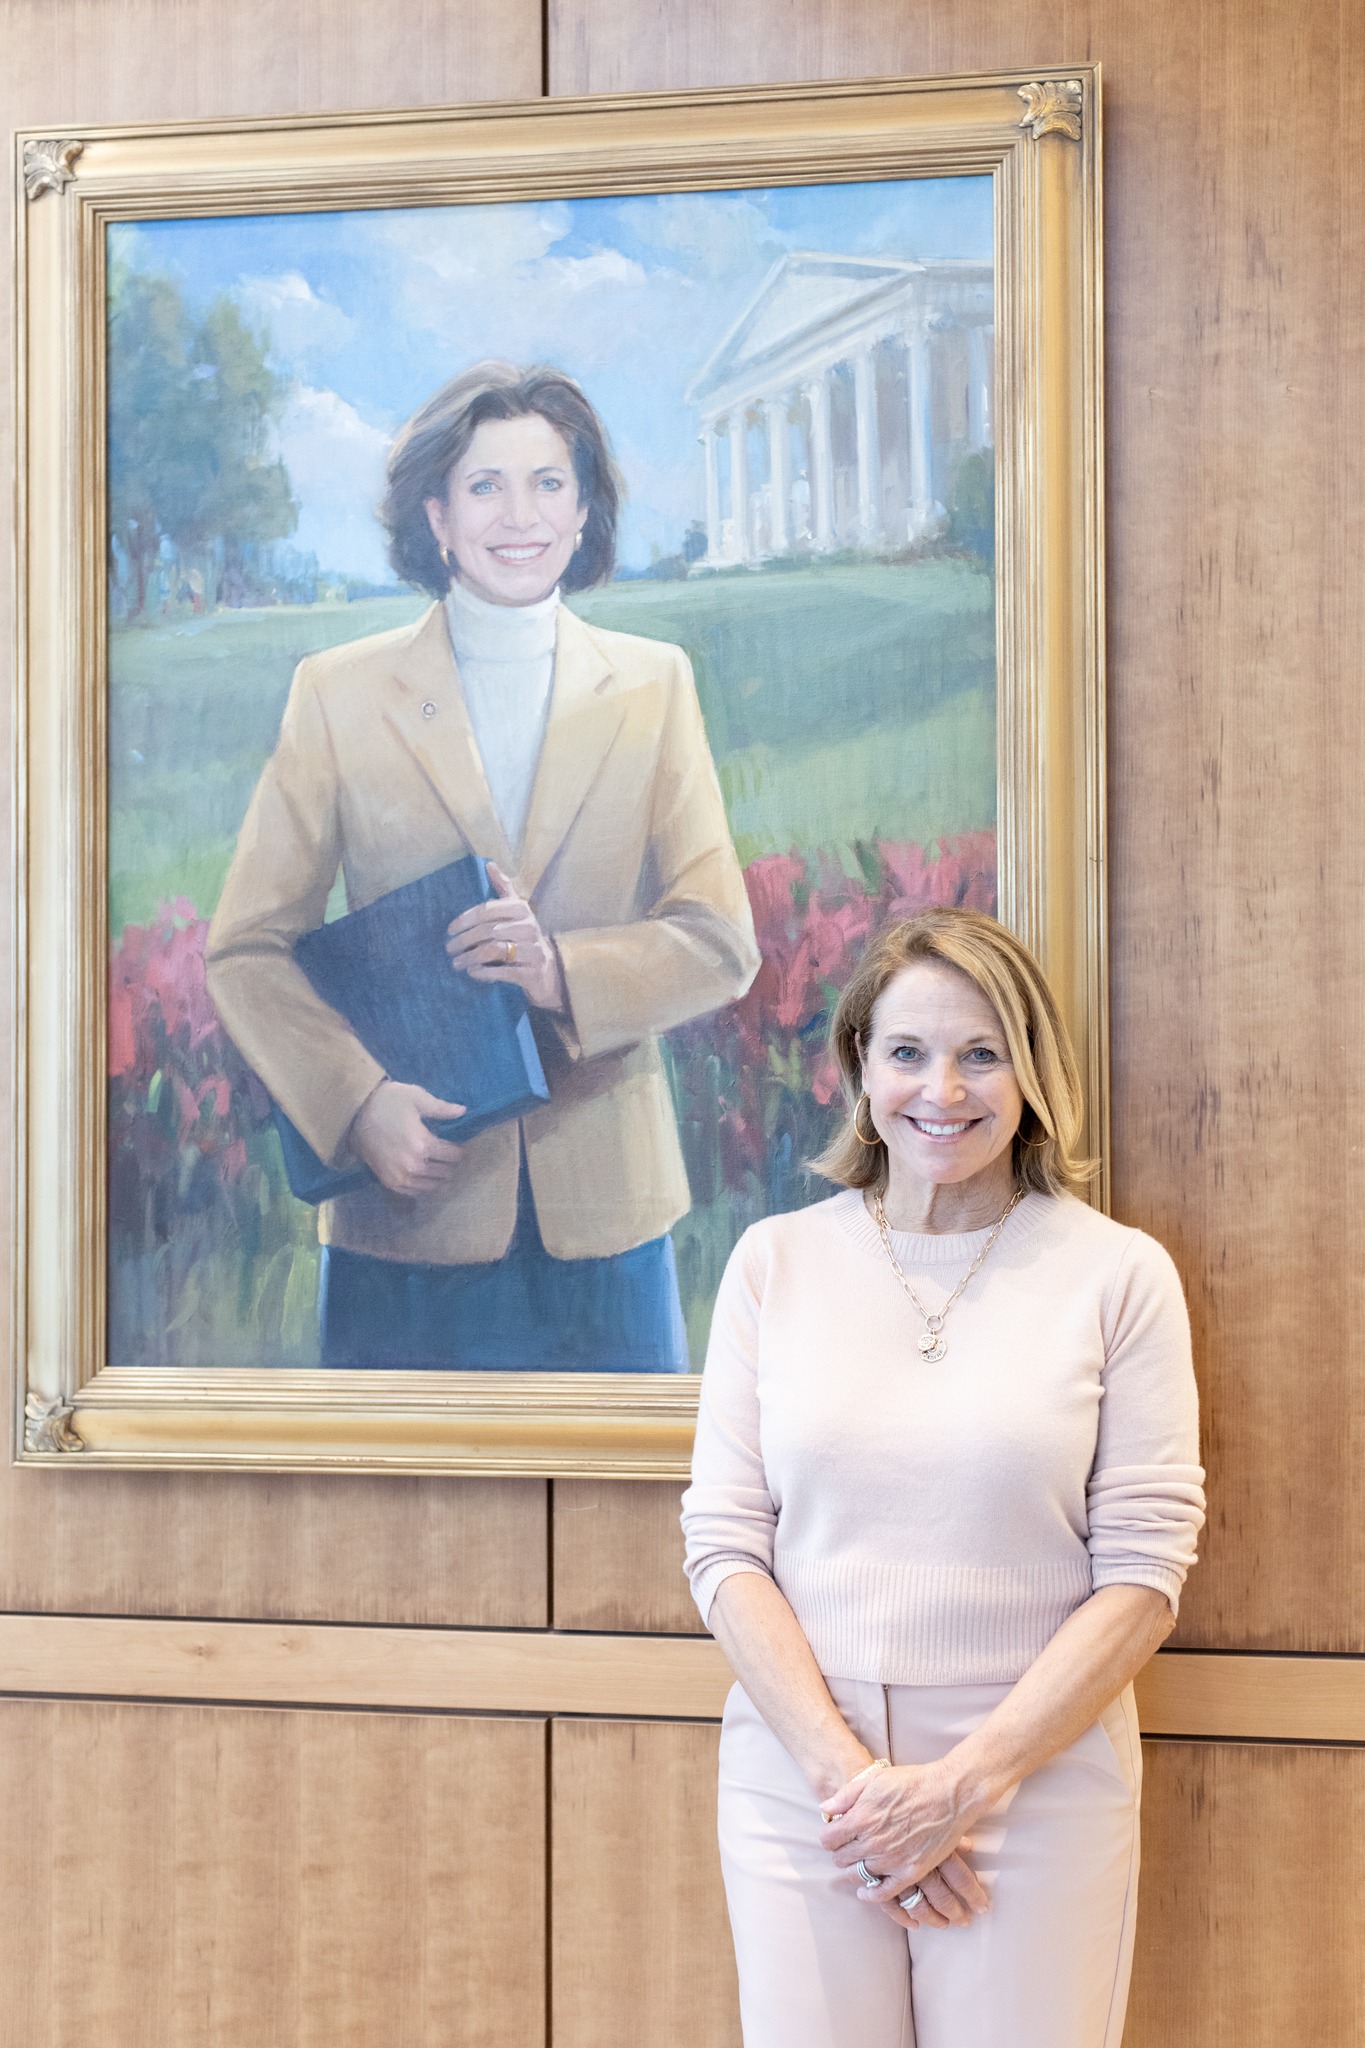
{"x":1253,"y":1866}
{"x":478,"y":1670}
{"x":177,"y":60}
{"x":1235,"y":284}
{"x":618,"y":1554}
{"x":353,"y":1549}
{"x":1229,"y":1698}
{"x":335,"y":1547}
{"x":640,"y":1952}
{"x":189,"y":1877}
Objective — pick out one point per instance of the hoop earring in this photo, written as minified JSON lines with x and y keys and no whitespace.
{"x":578,"y":540}
{"x":869,"y":1142}
{"x":449,"y":565}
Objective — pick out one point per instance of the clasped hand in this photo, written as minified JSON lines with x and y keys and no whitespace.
{"x":501,"y":940}
{"x":901,"y":1824}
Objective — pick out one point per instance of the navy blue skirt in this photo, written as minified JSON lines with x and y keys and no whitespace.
{"x":525,"y":1312}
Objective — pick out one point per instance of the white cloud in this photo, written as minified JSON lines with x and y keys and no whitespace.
{"x":488,"y":280}
{"x":721,"y":234}
{"x":302,"y":327}
{"x":464,"y":243}
{"x":588,"y":273}
{"x":335,"y":461}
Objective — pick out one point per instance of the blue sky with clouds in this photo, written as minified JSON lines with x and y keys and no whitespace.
{"x":368,"y":313}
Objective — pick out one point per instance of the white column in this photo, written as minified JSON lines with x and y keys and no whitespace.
{"x":869,"y":447}
{"x":821,"y":465}
{"x":713,"y":540}
{"x":739,"y":488}
{"x":779,"y":476}
{"x":921,"y":433}
{"x":979,"y":434}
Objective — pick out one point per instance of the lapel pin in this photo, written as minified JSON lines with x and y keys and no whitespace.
{"x":428,"y":709}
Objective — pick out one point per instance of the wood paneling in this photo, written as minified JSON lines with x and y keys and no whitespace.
{"x":1267,"y":1699}
{"x":1253,"y":1868}
{"x":618,"y":1555}
{"x":640,"y":1944}
{"x":192,"y":1877}
{"x":332,"y":1548}
{"x":1235,"y":286}
{"x":652,"y":46}
{"x":72,"y":61}
{"x":478,"y":1670}
{"x":1272,"y":1699}
{"x":1249,"y":1934}
{"x":351,"y":1549}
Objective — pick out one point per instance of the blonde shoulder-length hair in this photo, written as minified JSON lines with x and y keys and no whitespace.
{"x":1015,"y":986}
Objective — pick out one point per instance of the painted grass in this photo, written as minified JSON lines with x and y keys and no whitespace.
{"x":842,"y":703}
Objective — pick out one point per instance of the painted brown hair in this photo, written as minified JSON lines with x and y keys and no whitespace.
{"x":438,"y":436}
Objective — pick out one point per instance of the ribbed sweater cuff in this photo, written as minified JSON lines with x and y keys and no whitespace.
{"x":1167,"y":1579}
{"x":935,"y":1624}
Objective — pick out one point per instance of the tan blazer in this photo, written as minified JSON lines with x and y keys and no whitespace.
{"x":626,"y":858}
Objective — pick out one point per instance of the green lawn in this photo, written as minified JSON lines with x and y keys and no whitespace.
{"x":842,"y":703}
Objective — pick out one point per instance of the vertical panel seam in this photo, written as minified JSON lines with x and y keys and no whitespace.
{"x":549,"y":1882}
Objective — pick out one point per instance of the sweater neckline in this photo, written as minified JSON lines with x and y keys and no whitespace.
{"x":920,"y":1248}
{"x":480,"y":631}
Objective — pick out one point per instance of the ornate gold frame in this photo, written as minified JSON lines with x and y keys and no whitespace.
{"x":1039,"y":138}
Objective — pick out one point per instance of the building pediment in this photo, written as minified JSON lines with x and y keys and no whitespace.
{"x":801,"y":296}
{"x":812,"y":306}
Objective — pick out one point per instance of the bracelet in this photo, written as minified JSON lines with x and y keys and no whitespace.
{"x":878,"y":1763}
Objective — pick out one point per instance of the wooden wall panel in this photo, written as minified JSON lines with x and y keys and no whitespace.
{"x":194,"y":1877}
{"x":618,"y":1555}
{"x":640,"y":1951}
{"x":1253,"y":1871}
{"x":1236,"y":515}
{"x":335,"y":1547}
{"x":349,"y":1549}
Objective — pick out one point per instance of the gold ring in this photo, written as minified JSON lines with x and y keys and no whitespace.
{"x":511,"y":946}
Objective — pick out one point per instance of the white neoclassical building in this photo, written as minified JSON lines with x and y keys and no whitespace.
{"x":835,"y":409}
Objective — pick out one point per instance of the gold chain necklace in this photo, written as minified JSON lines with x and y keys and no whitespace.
{"x":932,"y":1344}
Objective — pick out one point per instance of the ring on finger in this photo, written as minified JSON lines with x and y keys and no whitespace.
{"x":912,"y":1899}
{"x":511,"y":946}
{"x":867,"y":1877}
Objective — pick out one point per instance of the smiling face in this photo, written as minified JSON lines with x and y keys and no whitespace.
{"x":940,"y":1082}
{"x":511,"y":513}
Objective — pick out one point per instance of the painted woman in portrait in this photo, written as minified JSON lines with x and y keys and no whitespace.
{"x":574,"y":760}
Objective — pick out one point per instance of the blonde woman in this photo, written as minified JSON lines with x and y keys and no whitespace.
{"x":945,"y":1493}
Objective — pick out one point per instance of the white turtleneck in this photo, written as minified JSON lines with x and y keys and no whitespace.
{"x":505,"y":655}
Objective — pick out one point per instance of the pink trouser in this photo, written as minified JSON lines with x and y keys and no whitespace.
{"x":1046,"y":1967}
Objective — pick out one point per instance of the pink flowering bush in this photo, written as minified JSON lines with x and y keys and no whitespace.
{"x":183,"y":1107}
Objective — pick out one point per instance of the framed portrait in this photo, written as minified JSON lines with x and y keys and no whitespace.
{"x":569,"y":573}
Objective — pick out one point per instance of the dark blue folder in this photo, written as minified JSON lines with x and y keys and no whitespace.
{"x":385,"y":969}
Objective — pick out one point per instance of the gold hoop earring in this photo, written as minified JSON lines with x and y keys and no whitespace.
{"x":869,"y":1142}
{"x":578,"y":540}
{"x":445,"y":557}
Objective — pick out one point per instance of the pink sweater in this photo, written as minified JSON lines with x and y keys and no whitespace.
{"x":936,"y":1524}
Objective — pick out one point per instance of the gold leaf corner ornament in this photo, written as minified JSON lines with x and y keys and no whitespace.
{"x":47,"y":164}
{"x":1053,"y":107}
{"x":48,"y":1425}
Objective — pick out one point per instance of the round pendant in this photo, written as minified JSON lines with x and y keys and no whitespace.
{"x":932,"y":1347}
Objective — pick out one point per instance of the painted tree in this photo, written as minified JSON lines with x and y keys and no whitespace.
{"x":192,"y":406}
